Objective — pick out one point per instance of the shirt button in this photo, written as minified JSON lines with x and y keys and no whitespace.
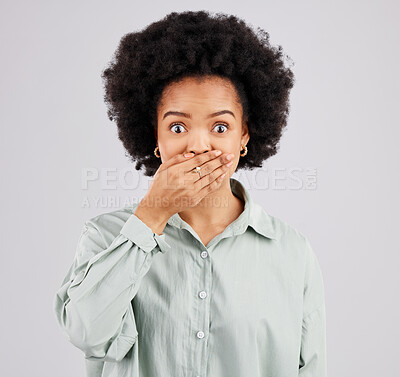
{"x":204,"y":254}
{"x":203,"y":294}
{"x":200,"y":334}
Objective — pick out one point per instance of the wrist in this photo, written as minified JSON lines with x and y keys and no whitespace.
{"x":154,"y":218}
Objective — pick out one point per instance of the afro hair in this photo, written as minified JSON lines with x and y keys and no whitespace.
{"x":197,"y":44}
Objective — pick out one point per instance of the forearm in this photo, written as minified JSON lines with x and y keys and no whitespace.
{"x":94,"y":301}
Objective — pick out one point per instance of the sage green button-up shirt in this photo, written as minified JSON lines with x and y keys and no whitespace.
{"x":250,"y":303}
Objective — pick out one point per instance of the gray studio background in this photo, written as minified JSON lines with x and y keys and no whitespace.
{"x":341,"y":140}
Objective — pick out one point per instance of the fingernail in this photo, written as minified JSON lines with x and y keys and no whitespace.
{"x":188,"y":154}
{"x":217,"y":153}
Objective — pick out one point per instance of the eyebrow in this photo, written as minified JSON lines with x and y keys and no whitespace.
{"x":179,"y":113}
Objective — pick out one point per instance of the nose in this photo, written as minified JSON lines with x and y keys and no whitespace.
{"x":198,"y":144}
{"x":196,"y":152}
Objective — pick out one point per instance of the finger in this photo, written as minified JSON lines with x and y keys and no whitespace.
{"x":212,"y":182}
{"x":177,"y":159}
{"x":200,"y":159}
{"x":212,"y":176}
{"x":210,"y":166}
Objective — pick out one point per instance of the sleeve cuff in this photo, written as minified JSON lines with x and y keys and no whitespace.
{"x":142,"y":235}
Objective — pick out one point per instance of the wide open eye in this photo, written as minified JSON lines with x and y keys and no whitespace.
{"x":221,"y":125}
{"x":176,"y":127}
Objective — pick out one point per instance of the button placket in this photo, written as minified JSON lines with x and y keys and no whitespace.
{"x":203,"y":310}
{"x":200,"y":334}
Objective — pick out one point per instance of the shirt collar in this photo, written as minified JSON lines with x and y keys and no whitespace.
{"x":253,"y":215}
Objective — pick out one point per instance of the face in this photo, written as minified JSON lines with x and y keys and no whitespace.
{"x":199,"y":116}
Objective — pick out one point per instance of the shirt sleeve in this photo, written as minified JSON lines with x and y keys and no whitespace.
{"x":93,"y":305}
{"x":312,"y":361}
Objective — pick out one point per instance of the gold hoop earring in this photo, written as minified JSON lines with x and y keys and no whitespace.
{"x":245,"y":150}
{"x":156,"y":149}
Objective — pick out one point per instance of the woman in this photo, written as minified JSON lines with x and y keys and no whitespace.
{"x":197,"y":279}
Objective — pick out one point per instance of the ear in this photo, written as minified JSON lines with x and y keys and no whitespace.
{"x":245,"y":134}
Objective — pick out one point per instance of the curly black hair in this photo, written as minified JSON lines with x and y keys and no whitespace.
{"x":197,"y":44}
